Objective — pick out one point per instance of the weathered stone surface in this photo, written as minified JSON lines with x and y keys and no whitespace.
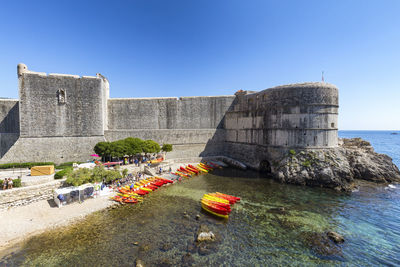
{"x":338,"y":167}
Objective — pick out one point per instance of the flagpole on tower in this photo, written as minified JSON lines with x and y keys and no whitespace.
{"x":323,"y":80}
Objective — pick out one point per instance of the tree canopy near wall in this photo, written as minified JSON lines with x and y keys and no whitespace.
{"x":130,"y":146}
{"x":151,"y":146}
{"x":166,"y":148}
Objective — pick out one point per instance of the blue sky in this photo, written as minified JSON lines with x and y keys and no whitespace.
{"x":157,"y":48}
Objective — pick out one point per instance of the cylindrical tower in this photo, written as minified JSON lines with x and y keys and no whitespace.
{"x":301,"y":115}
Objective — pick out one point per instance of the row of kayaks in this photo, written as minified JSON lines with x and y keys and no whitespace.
{"x":134,"y":193}
{"x":218,"y":204}
{"x":190,"y":170}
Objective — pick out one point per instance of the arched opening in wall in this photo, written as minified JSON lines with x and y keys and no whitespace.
{"x":333,"y":125}
{"x":265,"y":166}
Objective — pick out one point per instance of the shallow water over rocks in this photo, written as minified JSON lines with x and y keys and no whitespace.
{"x":274,"y":224}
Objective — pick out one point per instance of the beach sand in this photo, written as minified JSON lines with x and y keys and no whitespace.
{"x":20,"y":223}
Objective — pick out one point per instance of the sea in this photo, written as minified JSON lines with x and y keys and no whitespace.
{"x":273,"y":225}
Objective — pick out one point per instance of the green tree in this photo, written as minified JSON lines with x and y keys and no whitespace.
{"x":166,"y":148}
{"x":134,"y":145}
{"x":103,"y":149}
{"x":119,"y":148}
{"x":151,"y":146}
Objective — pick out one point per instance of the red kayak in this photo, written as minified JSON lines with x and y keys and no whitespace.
{"x":219,"y":204}
{"x":216,"y":209}
{"x":129,"y":200}
{"x":192,"y":169}
{"x":228,"y":196}
{"x":184,"y":170}
{"x":207,"y":167}
{"x":141,"y":192}
{"x":231,"y":201}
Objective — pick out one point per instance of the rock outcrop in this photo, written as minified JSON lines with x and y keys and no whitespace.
{"x":336,"y":167}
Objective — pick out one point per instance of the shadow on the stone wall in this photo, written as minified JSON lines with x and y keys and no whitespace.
{"x":9,"y":130}
{"x":216,"y":145}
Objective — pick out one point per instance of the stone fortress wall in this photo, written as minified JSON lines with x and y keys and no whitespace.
{"x":187,"y":122}
{"x":265,"y":124}
{"x":61,"y":117}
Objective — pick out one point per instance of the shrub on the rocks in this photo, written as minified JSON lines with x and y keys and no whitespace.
{"x":63,"y":172}
{"x":17,"y":182}
{"x":84,"y":176}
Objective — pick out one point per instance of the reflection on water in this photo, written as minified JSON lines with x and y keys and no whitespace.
{"x":274,"y":224}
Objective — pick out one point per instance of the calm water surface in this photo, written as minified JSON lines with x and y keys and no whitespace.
{"x":257,"y":233}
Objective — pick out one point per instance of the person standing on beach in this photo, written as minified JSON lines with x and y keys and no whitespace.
{"x":5,"y":183}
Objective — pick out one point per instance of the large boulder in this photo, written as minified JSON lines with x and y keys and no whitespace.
{"x":336,"y":168}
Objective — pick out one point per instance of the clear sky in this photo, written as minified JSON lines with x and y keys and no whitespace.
{"x":152,"y":48}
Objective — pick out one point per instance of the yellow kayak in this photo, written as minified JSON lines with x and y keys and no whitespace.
{"x":214,"y":213}
{"x":213,"y":198}
{"x":204,"y":165}
{"x":146,"y":189}
{"x":200,"y":168}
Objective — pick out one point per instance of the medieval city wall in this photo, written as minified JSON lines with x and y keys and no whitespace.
{"x":189,"y":123}
{"x":61,"y":117}
{"x":201,"y":112}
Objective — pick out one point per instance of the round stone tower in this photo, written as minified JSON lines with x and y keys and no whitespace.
{"x":300,"y":115}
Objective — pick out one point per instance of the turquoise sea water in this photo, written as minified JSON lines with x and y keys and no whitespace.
{"x":258,"y":232}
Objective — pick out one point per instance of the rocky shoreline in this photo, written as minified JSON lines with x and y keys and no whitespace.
{"x":336,"y":168}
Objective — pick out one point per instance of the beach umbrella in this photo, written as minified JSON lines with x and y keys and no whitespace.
{"x":95,"y":155}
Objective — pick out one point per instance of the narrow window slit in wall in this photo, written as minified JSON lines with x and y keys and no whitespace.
{"x":61,"y":96}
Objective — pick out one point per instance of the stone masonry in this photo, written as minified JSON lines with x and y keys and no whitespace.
{"x":61,"y":117}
